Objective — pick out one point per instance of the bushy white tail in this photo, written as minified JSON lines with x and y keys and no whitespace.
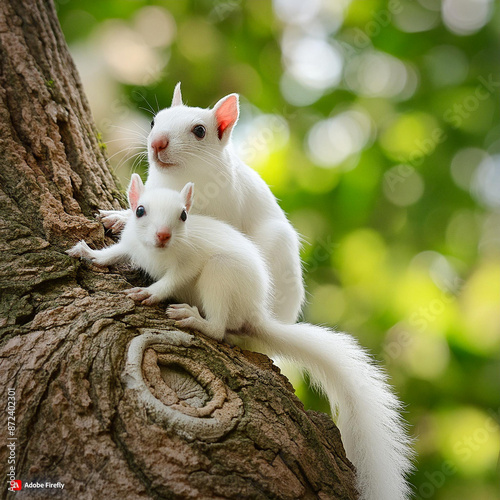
{"x":372,"y":430}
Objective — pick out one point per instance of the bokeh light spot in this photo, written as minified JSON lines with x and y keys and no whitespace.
{"x":414,"y":17}
{"x":464,"y":164}
{"x":332,"y":141}
{"x":410,"y":137}
{"x":469,"y":439}
{"x":447,"y":65}
{"x":465,"y":17}
{"x":313,"y":62}
{"x":403,"y":185}
{"x":377,"y":74}
{"x":156,"y":26}
{"x":486,"y":182}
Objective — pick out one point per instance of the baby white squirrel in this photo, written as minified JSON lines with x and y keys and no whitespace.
{"x":212,"y":268}
{"x":193,"y":144}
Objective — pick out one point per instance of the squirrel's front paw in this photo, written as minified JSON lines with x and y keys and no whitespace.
{"x":81,"y":249}
{"x":142,"y":295}
{"x":114,"y":220}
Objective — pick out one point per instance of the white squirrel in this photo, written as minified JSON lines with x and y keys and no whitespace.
{"x":193,"y":144}
{"x":218,"y":271}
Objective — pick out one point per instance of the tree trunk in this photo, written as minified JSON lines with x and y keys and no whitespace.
{"x":102,"y":395}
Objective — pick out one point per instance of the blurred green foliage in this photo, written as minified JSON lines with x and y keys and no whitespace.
{"x":377,"y":126}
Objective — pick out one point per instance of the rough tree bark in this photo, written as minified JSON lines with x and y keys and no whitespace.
{"x":111,"y":399}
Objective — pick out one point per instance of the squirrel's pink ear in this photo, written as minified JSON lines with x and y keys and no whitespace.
{"x":135,"y":190}
{"x":226,"y":115}
{"x":177,"y":98}
{"x":187,"y":194}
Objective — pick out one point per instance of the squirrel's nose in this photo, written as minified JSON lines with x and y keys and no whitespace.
{"x":159,"y":143}
{"x":162,"y":236}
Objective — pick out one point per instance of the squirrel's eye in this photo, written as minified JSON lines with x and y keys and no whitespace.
{"x":199,"y":131}
{"x":152,"y":123}
{"x":140,"y":211}
{"x":184,"y":215}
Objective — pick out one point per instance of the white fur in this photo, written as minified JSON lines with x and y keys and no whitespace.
{"x":228,"y":190}
{"x":224,"y":281}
